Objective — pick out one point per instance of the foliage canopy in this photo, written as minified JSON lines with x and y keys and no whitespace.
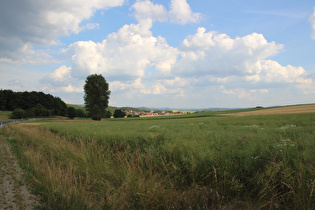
{"x":96,"y":96}
{"x":34,"y":104}
{"x":71,"y":113}
{"x":119,"y":113}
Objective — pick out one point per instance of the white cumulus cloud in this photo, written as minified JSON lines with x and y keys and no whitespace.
{"x":273,"y":72}
{"x":137,"y":63}
{"x":218,"y":54}
{"x":35,"y":22}
{"x":61,"y":73}
{"x":61,"y":81}
{"x":125,"y":55}
{"x":148,"y":10}
{"x":179,"y":13}
{"x":241,"y":65}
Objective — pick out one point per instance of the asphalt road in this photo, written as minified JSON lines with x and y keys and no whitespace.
{"x":3,"y":123}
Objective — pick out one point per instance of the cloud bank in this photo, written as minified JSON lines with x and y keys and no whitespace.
{"x":41,"y":23}
{"x":136,"y":62}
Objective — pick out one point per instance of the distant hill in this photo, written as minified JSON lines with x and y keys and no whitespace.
{"x":138,"y":109}
{"x":239,"y":111}
{"x":82,"y":107}
{"x":111,"y":108}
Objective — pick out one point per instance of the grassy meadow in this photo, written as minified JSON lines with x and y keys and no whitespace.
{"x":199,"y":161}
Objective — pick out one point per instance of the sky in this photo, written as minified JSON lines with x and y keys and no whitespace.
{"x":162,"y":53}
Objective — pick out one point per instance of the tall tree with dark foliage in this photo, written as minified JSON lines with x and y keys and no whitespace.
{"x":96,"y":96}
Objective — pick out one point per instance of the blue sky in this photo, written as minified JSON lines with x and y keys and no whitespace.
{"x":166,"y":53}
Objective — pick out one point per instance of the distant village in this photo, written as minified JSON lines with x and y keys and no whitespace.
{"x":148,"y":113}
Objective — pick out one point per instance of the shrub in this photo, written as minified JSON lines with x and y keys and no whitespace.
{"x":108,"y":114}
{"x":18,"y":114}
{"x":119,"y":113}
{"x":71,"y":113}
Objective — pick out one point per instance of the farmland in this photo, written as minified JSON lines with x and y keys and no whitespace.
{"x":194,"y":161}
{"x":309,"y":108}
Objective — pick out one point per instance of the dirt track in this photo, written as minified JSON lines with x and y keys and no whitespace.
{"x":14,"y":193}
{"x":309,"y":108}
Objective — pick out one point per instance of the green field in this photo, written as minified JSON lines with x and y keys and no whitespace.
{"x":196,"y":161}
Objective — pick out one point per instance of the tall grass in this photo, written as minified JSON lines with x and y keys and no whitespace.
{"x":208,"y":162}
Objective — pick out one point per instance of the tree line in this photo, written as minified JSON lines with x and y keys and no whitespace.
{"x":38,"y":104}
{"x":31,"y":104}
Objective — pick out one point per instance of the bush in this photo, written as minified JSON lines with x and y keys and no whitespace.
{"x":119,"y":113}
{"x":29,"y":113}
{"x":71,"y":113}
{"x":108,"y":114}
{"x":130,"y":115}
{"x":80,"y":113}
{"x":18,"y":114}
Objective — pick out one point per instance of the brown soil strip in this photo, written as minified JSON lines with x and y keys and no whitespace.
{"x":309,"y":108}
{"x":14,"y":193}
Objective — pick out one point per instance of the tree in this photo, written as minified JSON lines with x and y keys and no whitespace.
{"x":18,"y":114}
{"x":96,"y":96}
{"x":119,"y":113}
{"x":71,"y":113}
{"x":40,"y":111}
{"x":2,"y":100}
{"x":108,"y":114}
{"x":80,"y":113}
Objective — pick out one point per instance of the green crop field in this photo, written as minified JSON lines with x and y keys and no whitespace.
{"x":198,"y":161}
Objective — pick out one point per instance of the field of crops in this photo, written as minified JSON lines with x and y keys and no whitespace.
{"x":197,"y":161}
{"x":307,"y":108}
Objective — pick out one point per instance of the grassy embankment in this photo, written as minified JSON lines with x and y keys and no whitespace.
{"x":199,"y":162}
{"x":5,"y":115}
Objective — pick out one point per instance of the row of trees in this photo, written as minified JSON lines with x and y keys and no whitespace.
{"x":31,"y":104}
{"x":38,"y":104}
{"x":72,"y":113}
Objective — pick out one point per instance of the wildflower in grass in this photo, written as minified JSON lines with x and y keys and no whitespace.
{"x":285,"y":142}
{"x":287,"y":126}
{"x":154,"y":127}
{"x":251,"y":126}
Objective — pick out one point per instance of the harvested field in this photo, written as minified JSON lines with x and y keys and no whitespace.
{"x":309,"y":108}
